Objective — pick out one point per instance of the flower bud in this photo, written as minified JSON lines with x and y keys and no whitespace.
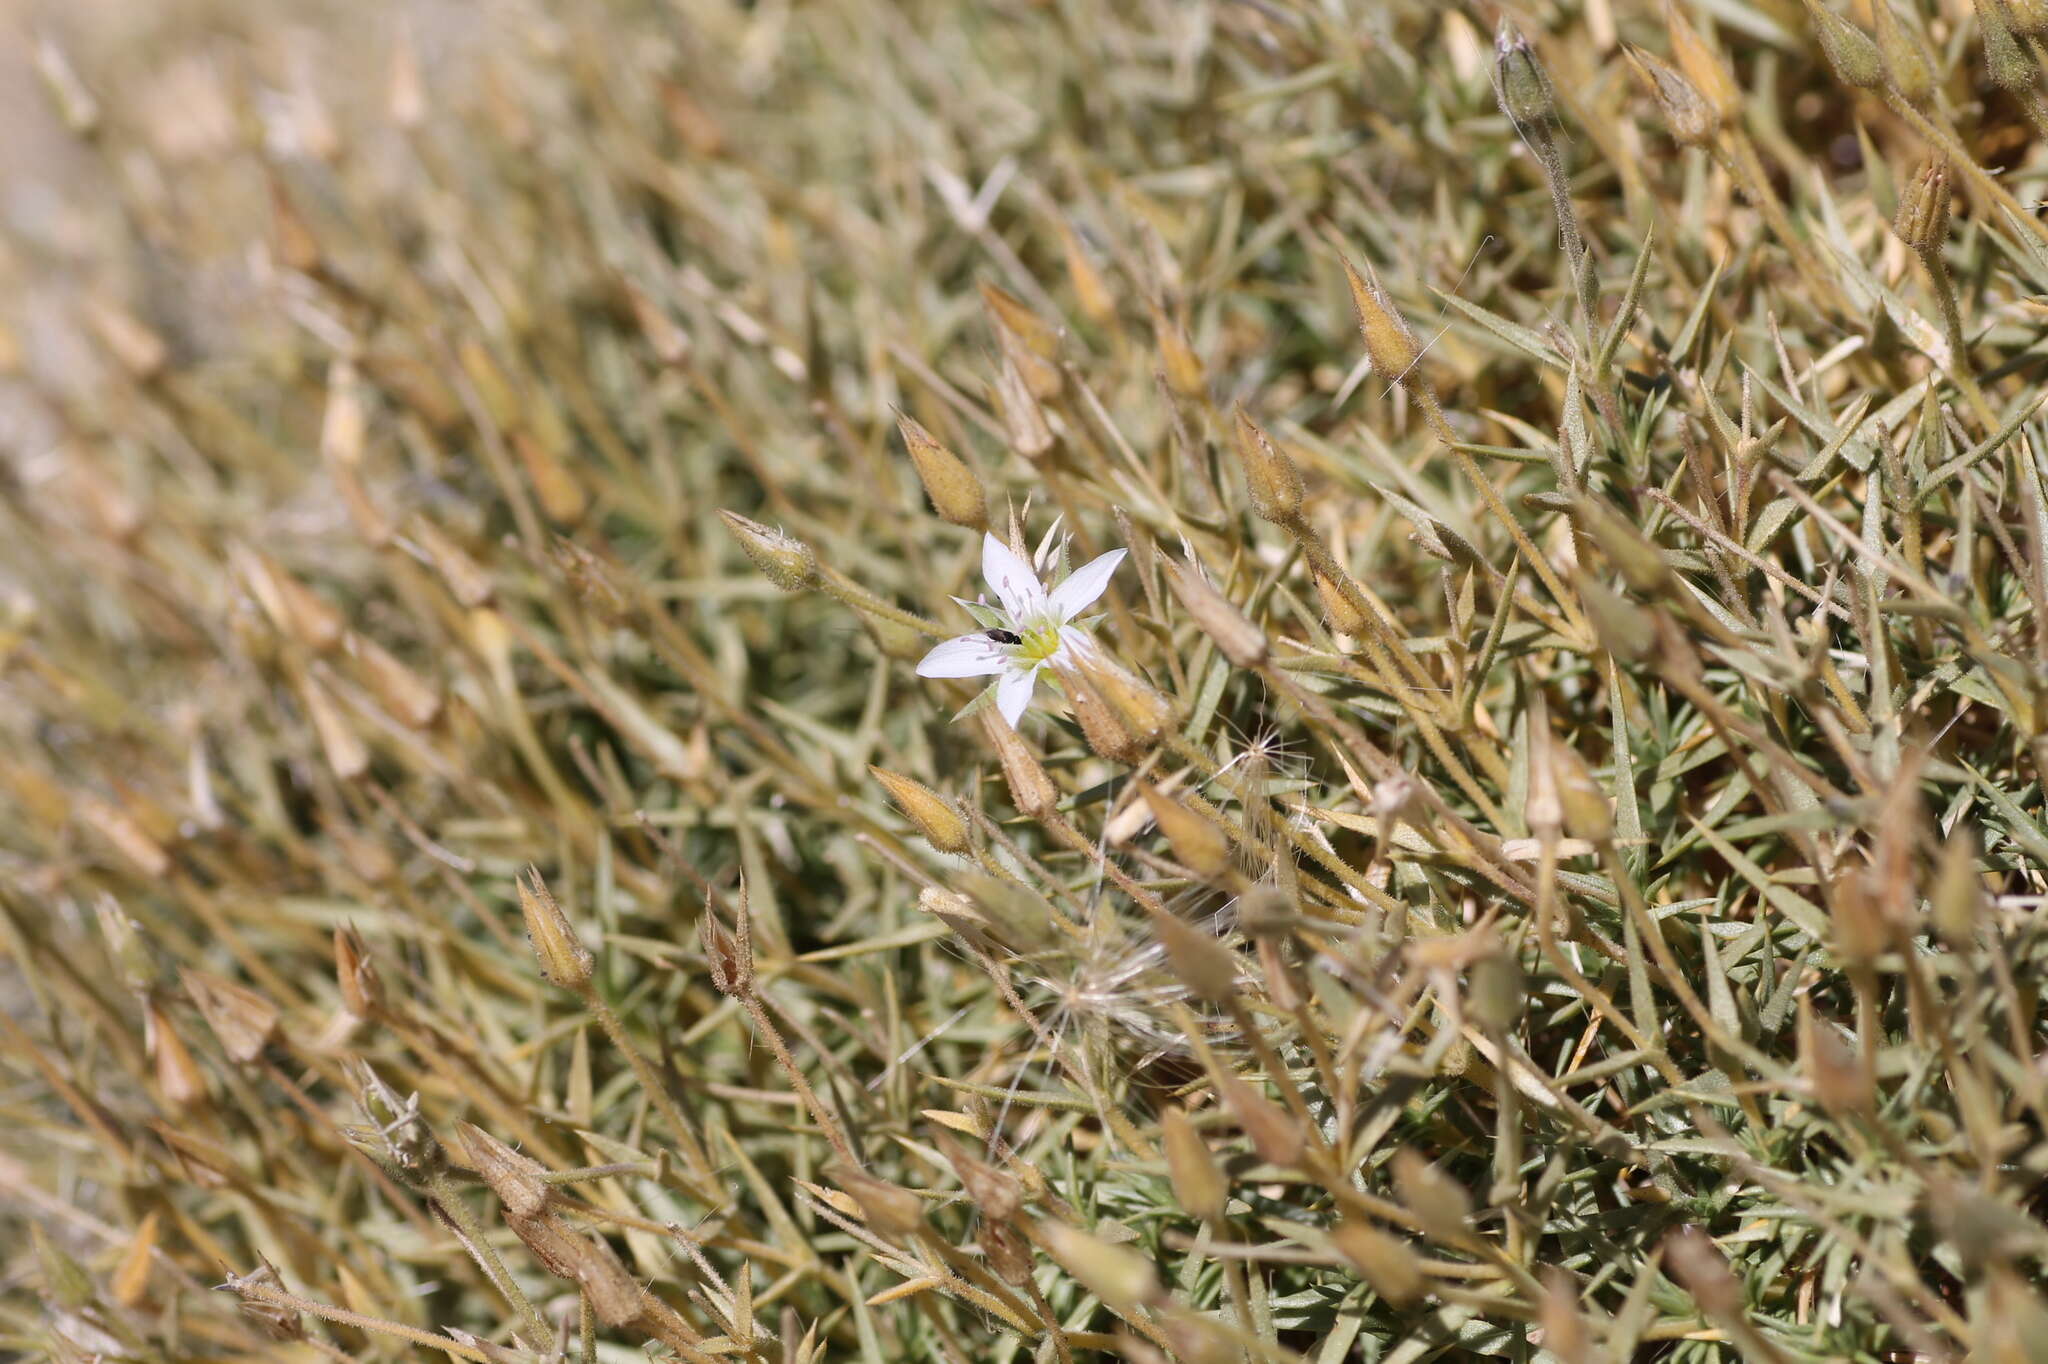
{"x":783,"y":560}
{"x":1197,"y":1182}
{"x":1389,"y":343}
{"x":1439,"y":1202}
{"x":244,"y":1021}
{"x":520,"y":1183}
{"x":1691,"y":120}
{"x":1701,"y":65}
{"x":344,"y":749}
{"x":1269,"y":475}
{"x":1958,"y":899}
{"x":564,"y":960}
{"x":467,"y":582}
{"x":179,"y":1080}
{"x":1848,"y":48}
{"x":1240,"y":641}
{"x":1197,"y":959}
{"x":1031,"y":790}
{"x":1122,"y":1278}
{"x":362,"y":992}
{"x":955,"y":492}
{"x":1904,"y":58}
{"x":1519,"y":84}
{"x":410,"y":699}
{"x":1023,"y":419}
{"x":1091,"y":292}
{"x":561,"y":497}
{"x":1701,"y":1270}
{"x":2007,"y":63}
{"x":941,"y":826}
{"x":890,"y":1209}
{"x":1344,"y":618}
{"x":1623,"y":628}
{"x":1387,"y":1262}
{"x":1640,"y":563}
{"x":1273,"y":1132}
{"x":1009,"y":1254}
{"x":1196,"y":841}
{"x":998,"y":1196}
{"x":1178,"y":361}
{"x":1587,"y":812}
{"x":1922,"y":221}
{"x":1834,"y":1074}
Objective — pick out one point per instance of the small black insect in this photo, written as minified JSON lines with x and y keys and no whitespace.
{"x":1006,"y":636}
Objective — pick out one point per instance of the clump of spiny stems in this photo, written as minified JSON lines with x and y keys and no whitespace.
{"x":1536,"y":848}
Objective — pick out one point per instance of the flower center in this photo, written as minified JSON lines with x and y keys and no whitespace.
{"x":1037,"y":641}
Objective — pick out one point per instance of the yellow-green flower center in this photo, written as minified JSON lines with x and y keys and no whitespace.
{"x":1037,"y":643}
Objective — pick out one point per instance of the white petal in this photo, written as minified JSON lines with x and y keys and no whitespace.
{"x":1076,"y":645}
{"x":1007,"y":571}
{"x":974,"y":655}
{"x":1084,"y":585}
{"x":1013,"y":693}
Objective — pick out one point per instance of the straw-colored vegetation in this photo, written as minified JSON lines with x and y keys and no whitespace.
{"x":1537,"y":852}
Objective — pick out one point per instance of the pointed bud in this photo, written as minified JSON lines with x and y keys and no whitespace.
{"x":129,"y":1285}
{"x":1269,"y":475}
{"x":1833,"y":1073}
{"x":520,"y":1183}
{"x":402,"y":692}
{"x":179,"y":1080}
{"x":941,"y":826}
{"x":1905,"y":58}
{"x":1496,"y":992}
{"x":244,"y":1021}
{"x":1387,"y":1262}
{"x":1439,"y":1202}
{"x":1023,"y":419}
{"x":1122,"y":1278}
{"x":1343,"y":617}
{"x":1565,"y":1333}
{"x":561,"y":497}
{"x":783,"y":560}
{"x":1519,"y":85}
{"x":1587,"y":812}
{"x":1197,"y":843}
{"x":344,"y":749}
{"x":1389,"y":343}
{"x":1009,"y":1254}
{"x":1272,"y":1130}
{"x":1691,"y":121}
{"x":955,"y":492}
{"x":1240,"y":641}
{"x":1848,"y":48}
{"x":1097,"y":303}
{"x":1197,"y":959}
{"x":890,"y":1209}
{"x":1197,"y":1181}
{"x":1178,"y":361}
{"x":1011,"y":314}
{"x":1701,"y":1270}
{"x":1623,"y":628}
{"x":1957,"y":904}
{"x":466,"y":580}
{"x":1702,"y":65}
{"x":2005,"y":60}
{"x":1641,"y":564}
{"x":563,"y":959}
{"x":670,"y":343}
{"x":362,"y":992}
{"x":997,"y":1195}
{"x":1031,"y":790}
{"x":1922,"y":221}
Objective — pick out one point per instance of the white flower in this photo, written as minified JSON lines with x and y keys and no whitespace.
{"x":1033,"y":630}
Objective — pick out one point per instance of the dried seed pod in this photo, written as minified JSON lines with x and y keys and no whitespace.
{"x":729,"y":954}
{"x":362,"y":991}
{"x":890,"y":1209}
{"x":410,"y":699}
{"x":466,"y":580}
{"x":1702,"y":65}
{"x":1922,"y":221}
{"x":1838,"y":1079}
{"x":941,"y":826}
{"x":520,"y":1183}
{"x":243,"y":1020}
{"x":783,"y":559}
{"x":1344,"y":618}
{"x":564,"y":960}
{"x":1197,"y":959}
{"x":998,"y":1196}
{"x":955,"y":492}
{"x":1273,"y":1131}
{"x":1957,"y":902}
{"x":2005,"y":60}
{"x":1701,"y":1270}
{"x":179,"y":1080}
